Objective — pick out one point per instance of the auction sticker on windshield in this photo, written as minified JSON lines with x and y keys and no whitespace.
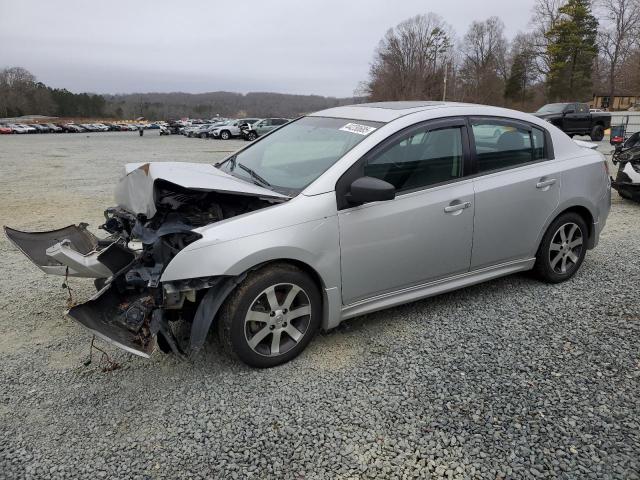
{"x":357,"y":128}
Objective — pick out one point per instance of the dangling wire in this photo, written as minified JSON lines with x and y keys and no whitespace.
{"x":110,"y":365}
{"x":65,"y":284}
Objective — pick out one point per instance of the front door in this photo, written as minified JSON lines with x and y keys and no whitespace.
{"x":423,"y":234}
{"x":516,"y":191}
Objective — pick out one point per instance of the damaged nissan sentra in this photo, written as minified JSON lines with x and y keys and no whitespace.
{"x":336,"y":214}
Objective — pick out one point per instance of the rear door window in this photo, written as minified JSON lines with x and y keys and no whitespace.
{"x":500,"y":145}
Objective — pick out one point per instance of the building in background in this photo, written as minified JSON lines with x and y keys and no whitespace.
{"x":620,"y":101}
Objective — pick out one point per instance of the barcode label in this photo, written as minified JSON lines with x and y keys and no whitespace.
{"x":357,"y":128}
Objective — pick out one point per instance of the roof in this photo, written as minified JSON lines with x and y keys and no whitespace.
{"x":383,"y":111}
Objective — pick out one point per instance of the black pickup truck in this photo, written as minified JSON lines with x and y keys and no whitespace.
{"x":575,"y":119}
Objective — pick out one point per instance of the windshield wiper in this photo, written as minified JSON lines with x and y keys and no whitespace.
{"x":259,"y":180}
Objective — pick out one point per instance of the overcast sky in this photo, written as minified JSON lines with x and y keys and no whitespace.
{"x":290,"y":46}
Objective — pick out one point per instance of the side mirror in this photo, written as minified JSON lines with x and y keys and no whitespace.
{"x":566,"y":112}
{"x":369,"y":189}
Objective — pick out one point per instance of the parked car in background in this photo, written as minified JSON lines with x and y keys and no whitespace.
{"x":53,"y":128}
{"x":263,"y":126}
{"x":576,"y":119}
{"x":206,"y":133}
{"x":231,"y":129}
{"x":40,"y":128}
{"x":73,"y":128}
{"x":337,"y":214}
{"x":627,"y":158}
{"x":22,"y":128}
{"x":5,"y":130}
{"x":199,"y":131}
{"x":188,"y":130}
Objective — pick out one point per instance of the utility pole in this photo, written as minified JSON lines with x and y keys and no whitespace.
{"x":444,"y":90}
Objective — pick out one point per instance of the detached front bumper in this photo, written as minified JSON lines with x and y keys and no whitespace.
{"x":117,"y":314}
{"x":72,"y":251}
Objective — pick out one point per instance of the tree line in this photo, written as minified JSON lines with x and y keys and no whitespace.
{"x":224,"y":104}
{"x":574,"y":48}
{"x":21,"y":94}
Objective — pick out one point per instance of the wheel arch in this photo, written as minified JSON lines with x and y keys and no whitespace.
{"x":209,"y":306}
{"x":579,"y":209}
{"x":328,"y":302}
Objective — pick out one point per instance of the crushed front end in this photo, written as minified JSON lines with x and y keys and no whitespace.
{"x":132,"y":308}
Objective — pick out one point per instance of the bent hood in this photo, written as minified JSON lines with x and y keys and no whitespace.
{"x":135,"y":191}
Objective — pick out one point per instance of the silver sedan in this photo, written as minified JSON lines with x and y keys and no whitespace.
{"x":337,"y":214}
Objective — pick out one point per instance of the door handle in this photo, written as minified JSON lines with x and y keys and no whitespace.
{"x":545,"y":184}
{"x":456,"y":207}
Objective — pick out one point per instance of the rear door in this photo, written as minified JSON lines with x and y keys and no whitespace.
{"x":582,"y":118}
{"x":516,"y":186}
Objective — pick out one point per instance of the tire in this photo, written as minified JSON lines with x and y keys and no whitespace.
{"x":237,"y":327}
{"x":203,"y":135}
{"x":597,"y":133}
{"x":225,"y":135}
{"x":252,"y":136}
{"x":562,"y":249}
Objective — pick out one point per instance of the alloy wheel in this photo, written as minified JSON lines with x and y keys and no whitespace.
{"x":565,"y":248}
{"x":278,"y":318}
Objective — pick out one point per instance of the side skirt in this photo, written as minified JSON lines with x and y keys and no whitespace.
{"x":417,"y":292}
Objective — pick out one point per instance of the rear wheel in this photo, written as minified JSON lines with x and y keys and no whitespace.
{"x":271,"y":317}
{"x":597,"y":133}
{"x":563,"y":249}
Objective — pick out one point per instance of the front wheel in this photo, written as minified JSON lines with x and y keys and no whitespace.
{"x":251,"y":136}
{"x":271,"y":317}
{"x":224,"y":135}
{"x":563,"y":249}
{"x":597,"y":133}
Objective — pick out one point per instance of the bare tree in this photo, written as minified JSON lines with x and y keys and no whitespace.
{"x":16,"y":85}
{"x":410,"y":60}
{"x":545,"y":16}
{"x":618,"y":35}
{"x":484,"y":68}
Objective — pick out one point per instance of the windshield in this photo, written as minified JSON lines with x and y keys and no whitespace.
{"x":293,"y":156}
{"x":552,"y":108}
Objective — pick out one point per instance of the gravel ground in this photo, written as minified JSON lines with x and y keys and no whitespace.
{"x":509,"y":379}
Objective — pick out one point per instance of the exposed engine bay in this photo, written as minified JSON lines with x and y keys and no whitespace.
{"x":132,"y":308}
